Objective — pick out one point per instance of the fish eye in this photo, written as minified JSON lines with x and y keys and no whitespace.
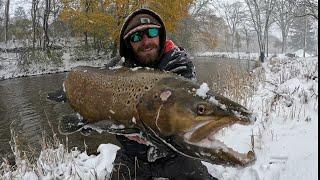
{"x":201,"y":109}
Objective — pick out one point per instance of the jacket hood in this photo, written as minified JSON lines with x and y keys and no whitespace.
{"x":126,"y":51}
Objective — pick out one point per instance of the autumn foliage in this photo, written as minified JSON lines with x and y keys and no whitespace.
{"x":103,"y":19}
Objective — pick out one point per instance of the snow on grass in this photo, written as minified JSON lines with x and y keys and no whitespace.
{"x":285,"y":135}
{"x":240,"y":55}
{"x":12,"y":65}
{"x":245,"y":55}
{"x":60,"y":164}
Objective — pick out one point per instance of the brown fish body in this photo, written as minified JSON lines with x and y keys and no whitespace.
{"x":163,"y":105}
{"x":100,"y":94}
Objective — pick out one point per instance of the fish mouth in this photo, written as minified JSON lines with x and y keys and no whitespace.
{"x":211,"y":127}
{"x":202,"y":139}
{"x":205,"y":147}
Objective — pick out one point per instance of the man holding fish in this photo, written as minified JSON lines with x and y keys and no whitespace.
{"x":143,"y":43}
{"x":166,"y":123}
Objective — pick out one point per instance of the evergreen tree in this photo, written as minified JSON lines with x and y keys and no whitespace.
{"x":297,"y":35}
{"x":21,"y":24}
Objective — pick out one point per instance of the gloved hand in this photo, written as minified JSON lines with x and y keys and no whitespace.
{"x":178,"y":61}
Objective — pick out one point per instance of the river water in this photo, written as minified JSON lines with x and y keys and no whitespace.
{"x":26,"y":114}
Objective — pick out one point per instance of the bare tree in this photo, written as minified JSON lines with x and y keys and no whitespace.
{"x":46,"y":24}
{"x":34,"y":12}
{"x":1,"y":18}
{"x":260,"y":11}
{"x":199,"y":6}
{"x":247,"y":30}
{"x":284,"y":19}
{"x":311,"y":8}
{"x":233,"y":14}
{"x":6,"y":26}
{"x":56,"y":7}
{"x":208,"y":29}
{"x":198,"y":24}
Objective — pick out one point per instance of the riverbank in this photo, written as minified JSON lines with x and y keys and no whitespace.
{"x":18,"y":58}
{"x":250,"y":56}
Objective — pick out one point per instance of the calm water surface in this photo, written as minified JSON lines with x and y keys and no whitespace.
{"x":25,"y":110}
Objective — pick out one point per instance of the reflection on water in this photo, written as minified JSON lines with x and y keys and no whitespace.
{"x":24,"y":107}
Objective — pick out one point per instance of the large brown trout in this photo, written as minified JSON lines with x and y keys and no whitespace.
{"x":171,"y":109}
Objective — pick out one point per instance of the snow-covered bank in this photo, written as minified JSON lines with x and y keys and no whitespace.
{"x":285,"y":134}
{"x":240,"y":55}
{"x":286,"y":131}
{"x":249,"y":56}
{"x":11,"y":65}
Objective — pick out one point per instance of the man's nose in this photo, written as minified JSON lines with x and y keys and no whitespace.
{"x":145,"y":39}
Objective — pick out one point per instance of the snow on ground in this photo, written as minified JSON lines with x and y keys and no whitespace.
{"x":60,"y":164}
{"x":10,"y":68}
{"x":12,"y":65}
{"x":286,"y":131}
{"x":285,"y":134}
{"x":240,"y":55}
{"x":245,"y":55}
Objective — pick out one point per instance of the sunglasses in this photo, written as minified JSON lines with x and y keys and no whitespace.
{"x":151,"y":33}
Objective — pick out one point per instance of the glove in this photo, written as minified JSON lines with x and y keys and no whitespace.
{"x":178,"y":61}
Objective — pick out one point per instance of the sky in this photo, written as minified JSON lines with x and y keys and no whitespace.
{"x":14,"y":4}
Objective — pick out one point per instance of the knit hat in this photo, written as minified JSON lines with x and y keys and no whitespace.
{"x":140,"y":22}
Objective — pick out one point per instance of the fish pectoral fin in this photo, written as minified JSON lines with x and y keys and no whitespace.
{"x":107,"y":126}
{"x":123,"y":131}
{"x":70,"y":124}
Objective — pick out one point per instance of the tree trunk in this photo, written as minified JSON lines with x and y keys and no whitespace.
{"x":232,"y":41}
{"x":317,"y":46}
{"x":305,"y":36}
{"x":247,"y":40}
{"x":86,"y":39}
{"x":267,"y":46}
{"x":226,"y":42}
{"x":34,"y":11}
{"x":284,"y":41}
{"x":114,"y":49}
{"x":46,"y":25}
{"x":6,"y":21}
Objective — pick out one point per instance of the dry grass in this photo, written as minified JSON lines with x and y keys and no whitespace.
{"x":237,"y":84}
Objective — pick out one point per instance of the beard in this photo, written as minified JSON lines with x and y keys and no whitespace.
{"x":147,"y":54}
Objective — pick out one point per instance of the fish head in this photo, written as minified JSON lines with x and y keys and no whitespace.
{"x":175,"y":113}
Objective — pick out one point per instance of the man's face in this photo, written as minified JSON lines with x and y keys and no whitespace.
{"x":146,"y":50}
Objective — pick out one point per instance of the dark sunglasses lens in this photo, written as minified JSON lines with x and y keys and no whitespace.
{"x":153,"y":32}
{"x":136,"y":37}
